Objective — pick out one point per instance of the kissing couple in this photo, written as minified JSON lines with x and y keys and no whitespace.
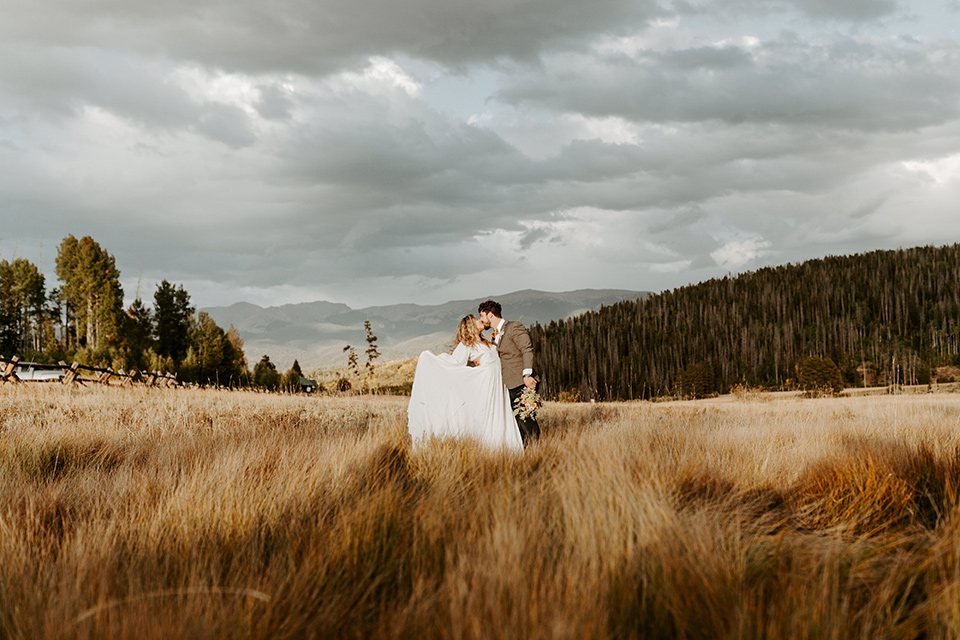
{"x":471,"y":392}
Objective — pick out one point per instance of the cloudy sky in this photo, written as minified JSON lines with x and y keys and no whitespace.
{"x":382,"y":151}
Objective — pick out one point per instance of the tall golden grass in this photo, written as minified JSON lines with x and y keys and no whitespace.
{"x":198,"y":514}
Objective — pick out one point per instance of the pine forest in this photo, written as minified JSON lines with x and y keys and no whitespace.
{"x":883,"y":318}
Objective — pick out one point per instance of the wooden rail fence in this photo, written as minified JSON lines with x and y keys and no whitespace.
{"x":14,"y":371}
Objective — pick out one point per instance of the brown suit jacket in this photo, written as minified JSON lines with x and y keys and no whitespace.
{"x":516,"y":353}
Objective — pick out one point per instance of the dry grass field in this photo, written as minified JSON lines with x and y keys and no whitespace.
{"x":198,"y":514}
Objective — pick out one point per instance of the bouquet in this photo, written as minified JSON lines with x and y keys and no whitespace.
{"x":527,"y":404}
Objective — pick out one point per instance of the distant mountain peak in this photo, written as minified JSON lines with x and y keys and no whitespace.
{"x":314,"y":333}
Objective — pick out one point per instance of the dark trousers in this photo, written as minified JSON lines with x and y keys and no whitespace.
{"x":529,"y":429}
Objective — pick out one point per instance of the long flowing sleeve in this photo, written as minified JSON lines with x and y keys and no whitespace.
{"x":458,"y":357}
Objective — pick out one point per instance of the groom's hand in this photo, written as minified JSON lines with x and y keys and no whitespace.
{"x":530,"y":382}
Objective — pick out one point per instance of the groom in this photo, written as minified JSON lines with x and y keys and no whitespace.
{"x":516,"y":360}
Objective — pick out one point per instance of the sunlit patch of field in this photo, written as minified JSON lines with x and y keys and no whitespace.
{"x":183,"y":513}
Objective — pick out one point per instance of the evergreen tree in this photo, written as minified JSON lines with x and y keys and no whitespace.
{"x":236,"y":361}
{"x":208,"y":342}
{"x":265,"y":375}
{"x":137,"y":335}
{"x":24,"y":310}
{"x":9,"y":334}
{"x":819,"y":375}
{"x":212,"y":358}
{"x":291,"y":379}
{"x":172,"y":315}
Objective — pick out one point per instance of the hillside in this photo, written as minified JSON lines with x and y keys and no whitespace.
{"x":882,"y":317}
{"x":315,"y":333}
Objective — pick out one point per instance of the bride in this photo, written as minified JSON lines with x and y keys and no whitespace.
{"x":462,"y":394}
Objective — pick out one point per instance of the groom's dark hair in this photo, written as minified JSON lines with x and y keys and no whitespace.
{"x":491,"y":306}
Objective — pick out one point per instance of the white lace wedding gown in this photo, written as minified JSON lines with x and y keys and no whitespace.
{"x":451,"y":399}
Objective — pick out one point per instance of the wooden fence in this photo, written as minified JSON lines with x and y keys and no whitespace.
{"x":14,"y":371}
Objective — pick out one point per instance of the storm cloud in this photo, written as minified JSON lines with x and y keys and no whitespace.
{"x":381,"y":152}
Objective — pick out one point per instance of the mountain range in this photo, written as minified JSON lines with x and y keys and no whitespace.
{"x":315,"y":333}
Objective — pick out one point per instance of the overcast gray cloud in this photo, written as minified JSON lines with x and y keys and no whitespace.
{"x":378,"y":152}
{"x":844,"y":82}
{"x":855,"y":11}
{"x":316,"y":37}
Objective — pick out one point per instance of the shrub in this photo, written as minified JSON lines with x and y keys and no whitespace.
{"x":819,"y":375}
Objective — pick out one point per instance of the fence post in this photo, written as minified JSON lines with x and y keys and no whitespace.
{"x":6,"y":373}
{"x":71,"y":373}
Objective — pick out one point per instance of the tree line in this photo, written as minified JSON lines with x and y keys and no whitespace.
{"x":884,"y":317}
{"x":83,"y":320}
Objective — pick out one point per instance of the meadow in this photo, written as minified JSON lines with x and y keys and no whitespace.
{"x":148,"y":513}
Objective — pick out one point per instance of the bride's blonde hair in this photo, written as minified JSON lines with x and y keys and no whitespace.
{"x":467,"y":332}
